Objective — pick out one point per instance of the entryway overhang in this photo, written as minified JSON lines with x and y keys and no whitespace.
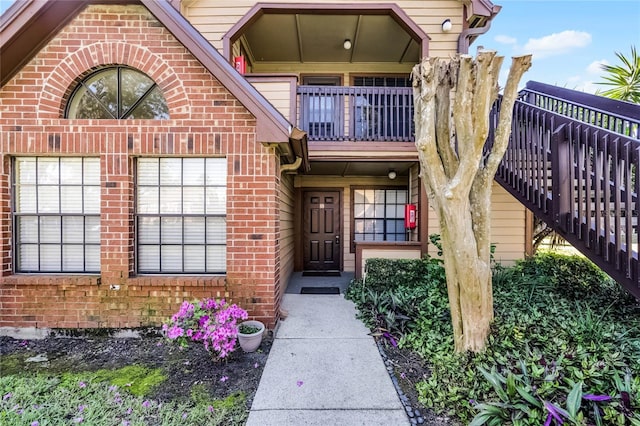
{"x":297,"y":33}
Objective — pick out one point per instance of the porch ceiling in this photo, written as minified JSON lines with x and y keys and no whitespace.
{"x":359,"y":168}
{"x":320,"y":37}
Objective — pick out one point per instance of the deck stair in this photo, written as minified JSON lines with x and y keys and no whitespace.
{"x":573,"y":160}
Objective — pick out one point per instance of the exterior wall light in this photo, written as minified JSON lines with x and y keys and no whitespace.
{"x":392,"y":174}
{"x":446,"y":25}
{"x":347,"y":44}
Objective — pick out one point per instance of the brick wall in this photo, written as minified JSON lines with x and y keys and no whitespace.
{"x":205,"y":120}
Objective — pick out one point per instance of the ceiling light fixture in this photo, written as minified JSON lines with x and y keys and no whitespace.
{"x":392,"y":174}
{"x":446,"y":25}
{"x":347,"y":44}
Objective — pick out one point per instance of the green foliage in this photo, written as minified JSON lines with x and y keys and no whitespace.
{"x":49,"y":400}
{"x":624,"y":79}
{"x":396,"y":293}
{"x":565,"y":337}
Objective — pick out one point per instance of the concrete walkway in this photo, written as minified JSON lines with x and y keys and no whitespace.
{"x":324,"y":369}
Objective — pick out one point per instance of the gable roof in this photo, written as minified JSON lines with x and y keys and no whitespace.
{"x":27,"y":26}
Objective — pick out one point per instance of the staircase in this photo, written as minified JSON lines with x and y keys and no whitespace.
{"x":573,"y":160}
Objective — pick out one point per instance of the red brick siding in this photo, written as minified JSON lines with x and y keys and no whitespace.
{"x":205,"y":120}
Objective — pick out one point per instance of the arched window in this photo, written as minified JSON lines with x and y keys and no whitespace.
{"x":117,"y":93}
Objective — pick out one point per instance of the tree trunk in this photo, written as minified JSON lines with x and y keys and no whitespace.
{"x":458,"y":177}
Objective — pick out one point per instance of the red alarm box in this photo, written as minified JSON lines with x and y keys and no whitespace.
{"x":410,"y":216}
{"x":240,"y":64}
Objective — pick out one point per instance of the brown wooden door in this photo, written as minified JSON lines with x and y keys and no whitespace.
{"x":321,"y":230}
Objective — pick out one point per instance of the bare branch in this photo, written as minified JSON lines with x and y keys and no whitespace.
{"x":424,"y":89}
{"x":447,"y":75}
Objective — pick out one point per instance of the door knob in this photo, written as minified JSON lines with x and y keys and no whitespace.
{"x":338,"y":239}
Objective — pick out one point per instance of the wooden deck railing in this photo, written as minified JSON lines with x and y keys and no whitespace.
{"x":573,"y":160}
{"x":338,"y":113}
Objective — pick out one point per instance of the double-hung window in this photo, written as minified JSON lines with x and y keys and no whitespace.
{"x":378,"y":214}
{"x":57,"y":214}
{"x":181,"y":215}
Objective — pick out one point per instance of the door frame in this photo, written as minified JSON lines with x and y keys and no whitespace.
{"x":298,"y":261}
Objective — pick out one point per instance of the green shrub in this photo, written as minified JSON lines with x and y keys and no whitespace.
{"x":565,"y":342}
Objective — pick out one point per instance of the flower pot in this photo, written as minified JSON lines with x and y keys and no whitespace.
{"x":251,"y":342}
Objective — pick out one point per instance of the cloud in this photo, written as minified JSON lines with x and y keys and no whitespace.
{"x":557,"y":43}
{"x":505,"y":39}
{"x":595,"y":67}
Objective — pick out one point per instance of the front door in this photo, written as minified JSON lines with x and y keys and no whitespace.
{"x":321,"y":226}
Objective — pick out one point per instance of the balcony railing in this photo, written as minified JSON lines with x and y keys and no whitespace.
{"x":337,"y":113}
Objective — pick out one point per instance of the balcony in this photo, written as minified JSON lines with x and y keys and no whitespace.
{"x":339,"y":113}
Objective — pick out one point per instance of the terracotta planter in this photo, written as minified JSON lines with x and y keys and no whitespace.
{"x":251,"y":342}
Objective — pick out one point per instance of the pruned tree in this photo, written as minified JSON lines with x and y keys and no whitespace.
{"x":452,"y":100}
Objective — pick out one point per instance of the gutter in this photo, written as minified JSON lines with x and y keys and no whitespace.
{"x":465,"y":36}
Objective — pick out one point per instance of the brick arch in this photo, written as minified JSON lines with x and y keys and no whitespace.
{"x":63,"y":79}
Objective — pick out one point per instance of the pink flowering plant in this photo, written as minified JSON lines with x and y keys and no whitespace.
{"x":210,"y":321}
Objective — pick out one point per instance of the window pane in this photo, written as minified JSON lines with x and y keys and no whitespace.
{"x":28,"y":229}
{"x":193,"y":171}
{"x":379,"y":196}
{"x":133,"y":85}
{"x":92,"y":229}
{"x":194,"y":259}
{"x":216,"y":258}
{"x":148,"y":171}
{"x":28,"y":258}
{"x":402,"y":197}
{"x":170,"y":199}
{"x":170,"y":171}
{"x":71,"y":199}
{"x":194,"y":231}
{"x":91,"y":199}
{"x":216,"y":230}
{"x":153,"y":106}
{"x":149,"y":230}
{"x":72,"y":257}
{"x":171,"y":258}
{"x":50,"y":259}
{"x":71,"y":171}
{"x":85,"y":106}
{"x":92,"y":171}
{"x":391,"y":196}
{"x":358,"y":196}
{"x":26,"y":199}
{"x":358,"y":210}
{"x":379,"y":210}
{"x":48,"y":199}
{"x":148,"y":200}
{"x":50,"y":229}
{"x":216,"y":200}
{"x":171,"y":230}
{"x":216,"y":171}
{"x":104,"y":87}
{"x":193,"y":202}
{"x":48,"y":171}
{"x":92,"y":258}
{"x":72,"y":229}
{"x":149,"y":258}
{"x":26,"y":170}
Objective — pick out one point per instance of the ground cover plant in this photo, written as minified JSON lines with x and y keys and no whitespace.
{"x":564,"y":346}
{"x":101,"y":380}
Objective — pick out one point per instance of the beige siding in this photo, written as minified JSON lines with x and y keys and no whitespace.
{"x":278,"y":93}
{"x":507,"y":226}
{"x":213,"y":18}
{"x":344,"y":183}
{"x":287,"y":231}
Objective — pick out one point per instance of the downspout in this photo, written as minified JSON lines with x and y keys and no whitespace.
{"x":291,"y":167}
{"x":465,"y":35}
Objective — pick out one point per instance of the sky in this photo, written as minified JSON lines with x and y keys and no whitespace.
{"x":569,"y":39}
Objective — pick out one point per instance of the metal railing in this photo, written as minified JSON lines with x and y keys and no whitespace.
{"x":573,"y":160}
{"x":339,"y":113}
